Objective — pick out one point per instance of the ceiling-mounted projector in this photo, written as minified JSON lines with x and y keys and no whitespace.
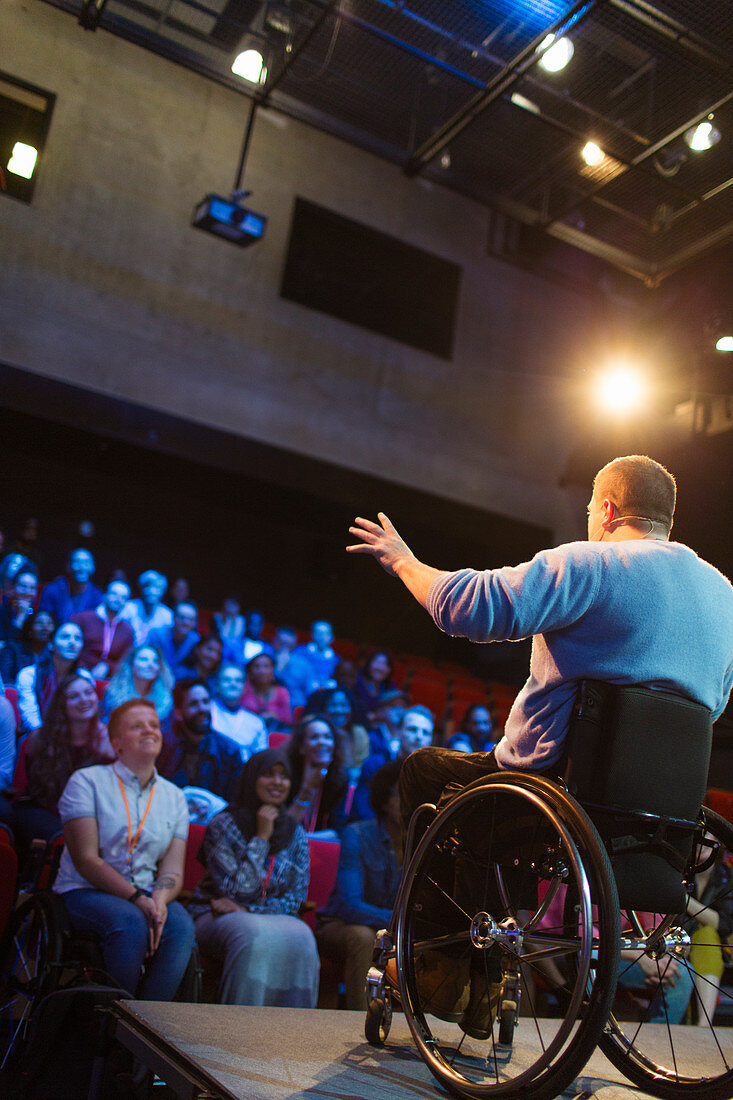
{"x":227,"y":218}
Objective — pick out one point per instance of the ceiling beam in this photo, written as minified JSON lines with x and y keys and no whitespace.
{"x":496,"y":87}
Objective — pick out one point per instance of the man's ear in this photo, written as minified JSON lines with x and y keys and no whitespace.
{"x":609,"y":513}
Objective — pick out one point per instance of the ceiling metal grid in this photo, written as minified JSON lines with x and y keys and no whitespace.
{"x":454,"y":91}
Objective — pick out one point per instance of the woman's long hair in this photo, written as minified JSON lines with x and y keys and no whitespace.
{"x":122,"y":685}
{"x":336,"y":779}
{"x":55,"y":758}
{"x":247,"y":803}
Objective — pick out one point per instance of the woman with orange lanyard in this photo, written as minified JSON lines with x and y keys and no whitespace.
{"x":126,"y":829}
{"x":245,"y":908}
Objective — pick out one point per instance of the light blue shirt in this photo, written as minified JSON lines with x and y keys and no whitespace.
{"x":632,"y":612}
{"x":95,"y":792}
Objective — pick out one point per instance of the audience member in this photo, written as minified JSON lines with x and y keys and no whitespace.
{"x":141,"y":674}
{"x":230,"y":625}
{"x":119,"y":885}
{"x":74,"y":591}
{"x":177,"y":641}
{"x":311,"y":666}
{"x":37,"y":683}
{"x":337,"y":704}
{"x":26,"y":544}
{"x":180,"y":591}
{"x":230,"y":718}
{"x":35,"y":635}
{"x":71,"y":737}
{"x":373,"y":680}
{"x":368,"y":876}
{"x":107,"y":636}
{"x":263,"y":696}
{"x":246,"y":907}
{"x":18,"y":607}
{"x":194,"y":754}
{"x":319,"y":778}
{"x":148,"y":612}
{"x":384,"y":731}
{"x":345,"y":675}
{"x":9,"y":567}
{"x":7,"y":749}
{"x":282,"y":646}
{"x":415,"y":732}
{"x":479,"y":728}
{"x":204,"y":661}
{"x":710,"y":924}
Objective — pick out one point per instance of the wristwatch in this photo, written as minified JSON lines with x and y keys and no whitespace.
{"x":133,"y":897}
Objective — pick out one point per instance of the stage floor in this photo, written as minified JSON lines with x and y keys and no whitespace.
{"x":230,"y":1052}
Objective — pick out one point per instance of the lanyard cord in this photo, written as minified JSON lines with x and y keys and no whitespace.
{"x":267,"y":877}
{"x":309,"y":823}
{"x":132,"y":840}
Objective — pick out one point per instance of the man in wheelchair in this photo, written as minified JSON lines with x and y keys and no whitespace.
{"x":641,"y":625}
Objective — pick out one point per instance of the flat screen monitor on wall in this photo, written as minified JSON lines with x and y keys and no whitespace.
{"x":348,"y":270}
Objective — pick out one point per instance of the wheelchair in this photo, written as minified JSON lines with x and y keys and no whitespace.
{"x":41,"y":953}
{"x":516,"y":879}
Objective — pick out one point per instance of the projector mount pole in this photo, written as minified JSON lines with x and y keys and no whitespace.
{"x":238,"y":191}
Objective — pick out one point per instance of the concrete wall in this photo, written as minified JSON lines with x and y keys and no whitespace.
{"x":103,"y":283}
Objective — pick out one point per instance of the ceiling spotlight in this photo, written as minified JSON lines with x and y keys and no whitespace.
{"x":621,"y":389}
{"x":592,"y":154}
{"x":445,"y":159}
{"x":724,"y":343}
{"x":520,"y":100}
{"x":555,"y":53}
{"x":22,"y":160}
{"x":702,"y":137}
{"x":250,"y":65}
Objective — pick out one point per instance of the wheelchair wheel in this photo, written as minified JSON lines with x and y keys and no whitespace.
{"x":30,"y":970}
{"x":474,"y":919}
{"x":378,"y":1020}
{"x":663,"y":1059}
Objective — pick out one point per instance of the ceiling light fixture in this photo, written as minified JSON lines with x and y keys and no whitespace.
{"x":592,"y":154}
{"x":555,"y":53}
{"x":703,"y":136}
{"x":724,"y":343}
{"x":250,"y":65}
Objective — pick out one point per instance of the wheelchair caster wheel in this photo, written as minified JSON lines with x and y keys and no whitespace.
{"x":507,"y":1022}
{"x":378,"y":1021}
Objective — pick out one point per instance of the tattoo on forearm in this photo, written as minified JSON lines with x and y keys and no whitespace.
{"x":165,"y":882}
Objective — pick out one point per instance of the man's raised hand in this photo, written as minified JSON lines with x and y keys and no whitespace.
{"x":382,"y":542}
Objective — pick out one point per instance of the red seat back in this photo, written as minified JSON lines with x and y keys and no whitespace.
{"x":193,"y":870}
{"x":324,"y":858}
{"x":721,"y":802}
{"x":278,"y":739}
{"x":8,"y":875}
{"x":20,"y":778}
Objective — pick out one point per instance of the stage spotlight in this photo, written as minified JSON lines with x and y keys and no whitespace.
{"x":555,"y":53}
{"x":250,"y":65}
{"x":621,"y":389}
{"x":23,"y":160}
{"x":702,"y":137}
{"x":724,"y":343}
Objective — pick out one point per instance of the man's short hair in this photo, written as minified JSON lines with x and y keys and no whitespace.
{"x":418,"y":708}
{"x":383,"y":782}
{"x":185,"y":603}
{"x":119,"y":713}
{"x":638,"y":486}
{"x":183,"y":687}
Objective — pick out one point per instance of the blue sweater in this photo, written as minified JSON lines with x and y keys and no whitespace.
{"x":632,"y":612}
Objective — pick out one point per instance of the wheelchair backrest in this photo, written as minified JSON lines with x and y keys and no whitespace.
{"x":634,"y":752}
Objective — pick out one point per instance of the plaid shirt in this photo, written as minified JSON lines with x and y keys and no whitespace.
{"x":238,"y":869}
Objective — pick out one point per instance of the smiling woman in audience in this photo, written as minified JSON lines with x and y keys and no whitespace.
{"x":245,"y":908}
{"x":320,"y":780}
{"x":142,"y":674}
